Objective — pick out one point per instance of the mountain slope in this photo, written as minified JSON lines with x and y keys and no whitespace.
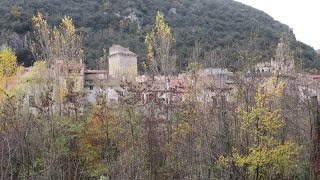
{"x":228,"y":28}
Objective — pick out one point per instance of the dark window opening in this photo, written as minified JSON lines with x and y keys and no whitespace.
{"x":73,"y":99}
{"x":91,"y":88}
{"x":32,"y":101}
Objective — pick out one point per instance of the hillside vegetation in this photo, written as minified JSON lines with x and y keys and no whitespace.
{"x":230,"y":30}
{"x":56,"y":123}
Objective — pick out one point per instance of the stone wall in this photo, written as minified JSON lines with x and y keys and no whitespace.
{"x":122,"y":63}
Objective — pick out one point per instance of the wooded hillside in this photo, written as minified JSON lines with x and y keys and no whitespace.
{"x":62,"y":123}
{"x":229,"y":28}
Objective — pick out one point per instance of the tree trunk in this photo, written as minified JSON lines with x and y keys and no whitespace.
{"x":315,"y":138}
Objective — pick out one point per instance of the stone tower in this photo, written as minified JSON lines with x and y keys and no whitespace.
{"x":122,"y":63}
{"x":284,"y":60}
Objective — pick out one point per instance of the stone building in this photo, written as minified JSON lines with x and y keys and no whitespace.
{"x":122,"y":63}
{"x":98,"y":81}
{"x":80,"y":85}
{"x":284,"y":60}
{"x":263,"y":67}
{"x":69,"y":74}
{"x":283,"y":63}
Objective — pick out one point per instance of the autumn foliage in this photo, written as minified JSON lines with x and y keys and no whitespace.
{"x":258,"y":130}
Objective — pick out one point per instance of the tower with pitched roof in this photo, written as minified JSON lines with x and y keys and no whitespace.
{"x":122,"y":63}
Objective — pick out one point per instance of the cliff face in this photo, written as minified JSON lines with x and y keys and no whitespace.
{"x":224,"y":27}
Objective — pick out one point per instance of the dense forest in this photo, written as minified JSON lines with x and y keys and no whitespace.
{"x":227,"y":29}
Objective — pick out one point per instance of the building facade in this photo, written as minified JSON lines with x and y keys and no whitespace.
{"x":122,"y":63}
{"x":73,"y":81}
{"x":283,"y":63}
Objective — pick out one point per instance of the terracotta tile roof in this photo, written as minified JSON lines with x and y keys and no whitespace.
{"x":314,"y":76}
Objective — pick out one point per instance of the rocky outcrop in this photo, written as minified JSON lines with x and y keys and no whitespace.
{"x":173,"y":11}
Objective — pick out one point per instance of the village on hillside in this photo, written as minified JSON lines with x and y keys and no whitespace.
{"x":214,"y":83}
{"x":62,"y":119}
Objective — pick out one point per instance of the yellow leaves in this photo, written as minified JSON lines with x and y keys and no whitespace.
{"x":261,"y":98}
{"x":37,"y":75}
{"x":181,"y":130}
{"x":9,"y":70}
{"x":158,"y":43}
{"x":161,"y":30}
{"x":263,"y":124}
{"x":57,"y":36}
{"x":16,"y":12}
{"x":39,"y":21}
{"x":98,"y":135}
{"x":36,"y":78}
{"x":224,"y":162}
{"x":263,"y":114}
{"x":162,"y":27}
{"x":57,"y":43}
{"x":67,"y":25}
{"x":258,"y":157}
{"x":276,"y":156}
{"x":8,"y":63}
{"x":274,"y":87}
{"x":62,"y":93}
{"x":148,"y":40}
{"x":194,"y":67}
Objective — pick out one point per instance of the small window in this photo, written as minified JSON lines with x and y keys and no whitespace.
{"x":91,"y":88}
{"x":32,"y":101}
{"x":214,"y":101}
{"x":73,"y":99}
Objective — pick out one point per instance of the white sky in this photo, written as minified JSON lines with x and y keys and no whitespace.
{"x":303,"y":16}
